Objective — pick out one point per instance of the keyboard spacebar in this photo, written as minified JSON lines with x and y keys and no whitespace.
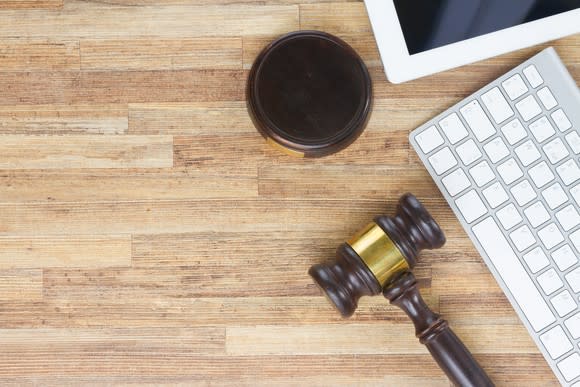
{"x":513,"y":274}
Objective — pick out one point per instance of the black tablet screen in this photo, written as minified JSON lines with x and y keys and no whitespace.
{"x":430,"y":24}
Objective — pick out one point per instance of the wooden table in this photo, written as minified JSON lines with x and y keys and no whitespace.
{"x":149,"y":235}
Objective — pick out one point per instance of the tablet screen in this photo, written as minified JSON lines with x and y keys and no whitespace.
{"x":429,"y":24}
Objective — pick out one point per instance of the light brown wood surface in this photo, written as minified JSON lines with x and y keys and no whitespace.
{"x":149,"y":235}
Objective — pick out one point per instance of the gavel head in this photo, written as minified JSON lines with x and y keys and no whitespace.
{"x":377,"y":254}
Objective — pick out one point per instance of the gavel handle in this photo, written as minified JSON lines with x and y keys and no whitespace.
{"x":434,"y":332}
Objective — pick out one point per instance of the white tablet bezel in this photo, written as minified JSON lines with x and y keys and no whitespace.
{"x":401,"y":67}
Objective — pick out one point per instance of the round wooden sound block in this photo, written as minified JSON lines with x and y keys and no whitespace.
{"x":309,"y":93}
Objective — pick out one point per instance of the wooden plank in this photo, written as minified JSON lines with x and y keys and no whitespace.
{"x":180,"y":216}
{"x":203,"y":253}
{"x":373,"y":147}
{"x":189,"y":282}
{"x":162,"y":54}
{"x":138,"y":310}
{"x":67,"y":344}
{"x":229,"y":381}
{"x":492,"y":308}
{"x":195,"y":281}
{"x":229,"y":368}
{"x":121,"y":87}
{"x":356,"y":182}
{"x":74,"y":185}
{"x":22,"y":4}
{"x":473,"y":276}
{"x":51,"y":152}
{"x":78,"y":20}
{"x":38,"y":54}
{"x":220,"y":2}
{"x":354,"y":339}
{"x":194,"y":118}
{"x":330,"y":17}
{"x":322,"y":339}
{"x":204,"y":250}
{"x":81,"y":251}
{"x":384,"y":141}
{"x":63,"y":119}
{"x":20,"y":285}
{"x":234,"y":154}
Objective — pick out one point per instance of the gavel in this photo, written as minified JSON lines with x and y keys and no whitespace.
{"x":380,"y":258}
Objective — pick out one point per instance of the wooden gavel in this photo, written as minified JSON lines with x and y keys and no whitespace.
{"x":379,"y":259}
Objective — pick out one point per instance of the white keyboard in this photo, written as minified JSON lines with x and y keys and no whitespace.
{"x":507,"y":161}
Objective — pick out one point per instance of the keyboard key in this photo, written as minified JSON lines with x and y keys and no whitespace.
{"x":550,"y":281}
{"x":563,"y":303}
{"x":550,"y":235}
{"x":513,"y":273}
{"x":495,"y":195}
{"x":570,"y":367}
{"x":541,"y":174}
{"x":482,"y":174}
{"x":471,"y":206}
{"x":523,"y":193}
{"x":429,"y":139}
{"x":456,"y":182}
{"x":496,"y":150}
{"x":568,"y":217}
{"x":509,"y":216}
{"x":574,"y":141}
{"x":537,"y":214}
{"x":509,"y":171}
{"x":514,"y":87}
{"x":442,"y":161}
{"x":547,"y":98}
{"x":575,"y":191}
{"x":542,"y":129}
{"x":556,"y":151}
{"x":556,"y":342}
{"x":573,"y":279}
{"x":528,"y":108}
{"x":477,"y":120}
{"x":514,"y":131}
{"x":568,"y":172}
{"x":564,"y":257}
{"x":527,"y":153}
{"x":536,"y":260}
{"x":497,"y":105}
{"x":561,"y":120}
{"x":533,"y":76}
{"x":575,"y":238}
{"x":555,"y":196}
{"x":522,"y":238}
{"x":468,"y":152}
{"x":453,"y":128}
{"x":573,"y":325}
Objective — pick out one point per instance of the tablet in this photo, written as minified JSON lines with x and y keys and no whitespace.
{"x":422,"y":37}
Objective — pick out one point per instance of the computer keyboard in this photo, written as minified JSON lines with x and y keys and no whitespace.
{"x":506,"y":160}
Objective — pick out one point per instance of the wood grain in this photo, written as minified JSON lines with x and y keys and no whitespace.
{"x":176,"y":54}
{"x":55,"y":152}
{"x":38,"y":54}
{"x":64,"y":119}
{"x":17,"y":285}
{"x":44,"y":252}
{"x":150,"y":236}
{"x":21,"y":4}
{"x":90,"y":20}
